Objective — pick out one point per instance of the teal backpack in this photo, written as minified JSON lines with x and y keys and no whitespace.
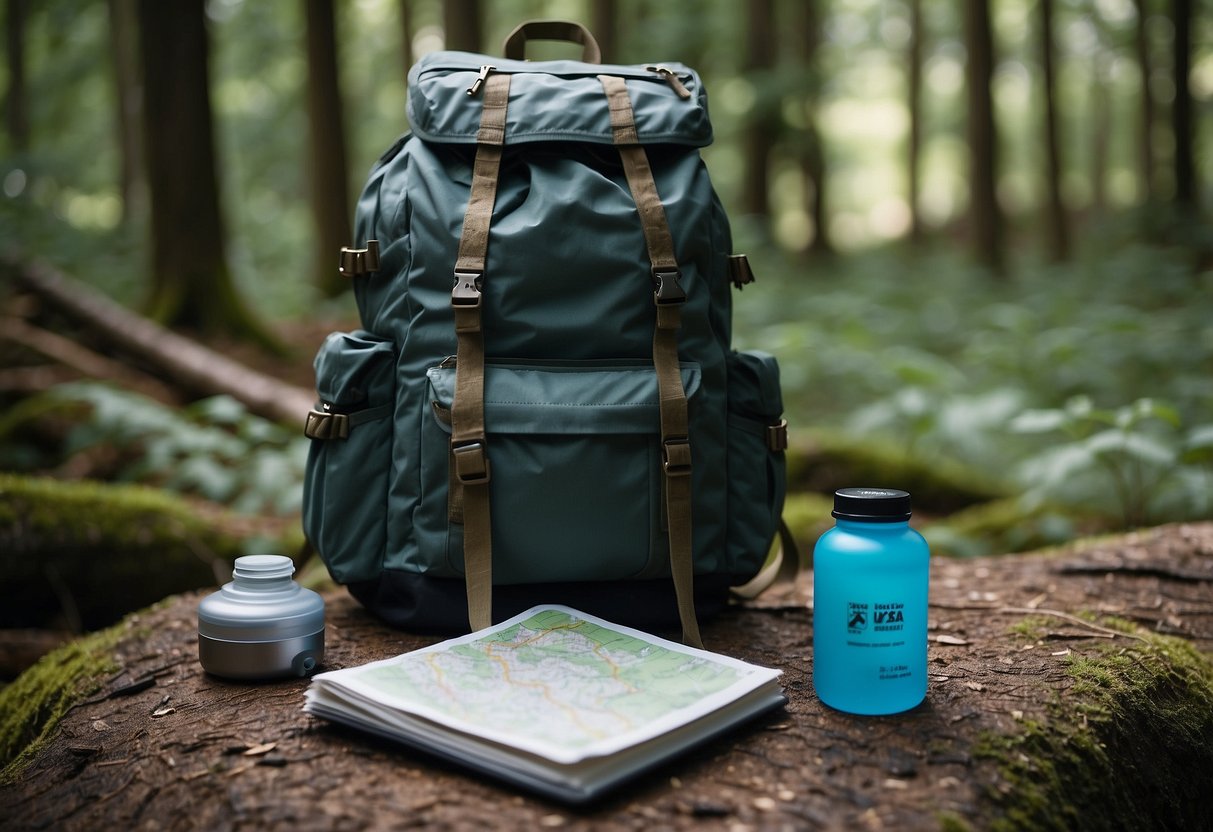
{"x":543,"y":404}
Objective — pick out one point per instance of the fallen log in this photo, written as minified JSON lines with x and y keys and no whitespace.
{"x":1061,"y":696}
{"x":186,"y":362}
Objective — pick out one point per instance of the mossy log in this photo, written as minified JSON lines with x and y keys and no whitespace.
{"x":1069,"y":689}
{"x":83,"y":554}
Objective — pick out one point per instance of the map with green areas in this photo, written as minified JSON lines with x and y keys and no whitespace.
{"x":558,"y":683}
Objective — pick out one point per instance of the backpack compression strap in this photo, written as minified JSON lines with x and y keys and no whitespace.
{"x":668,"y":296}
{"x":469,"y":449}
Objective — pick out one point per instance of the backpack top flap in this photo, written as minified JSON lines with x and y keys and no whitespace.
{"x":555,"y":101}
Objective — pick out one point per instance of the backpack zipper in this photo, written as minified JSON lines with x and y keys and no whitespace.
{"x":671,"y":78}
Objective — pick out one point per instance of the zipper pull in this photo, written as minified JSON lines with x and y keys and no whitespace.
{"x":671,"y":78}
{"x":474,"y":89}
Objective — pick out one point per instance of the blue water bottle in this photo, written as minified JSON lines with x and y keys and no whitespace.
{"x":870,"y":605}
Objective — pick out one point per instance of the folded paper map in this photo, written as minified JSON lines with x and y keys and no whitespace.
{"x":553,"y":700}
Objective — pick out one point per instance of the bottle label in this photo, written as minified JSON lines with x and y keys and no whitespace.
{"x":875,"y":624}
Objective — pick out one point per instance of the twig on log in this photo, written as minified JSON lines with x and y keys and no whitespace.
{"x":1065,"y":616}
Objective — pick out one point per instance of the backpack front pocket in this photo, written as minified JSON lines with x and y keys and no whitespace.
{"x":346,"y":481}
{"x":575,"y":493}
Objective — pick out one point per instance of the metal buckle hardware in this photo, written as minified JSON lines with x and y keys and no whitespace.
{"x":325,"y":425}
{"x":355,"y":262}
{"x":777,"y":436}
{"x":740,"y":272}
{"x":471,"y":462}
{"x":485,"y":69}
{"x":666,"y":288}
{"x":676,"y":456}
{"x":466,"y":291}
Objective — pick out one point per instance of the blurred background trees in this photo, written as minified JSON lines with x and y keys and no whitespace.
{"x":981,"y":228}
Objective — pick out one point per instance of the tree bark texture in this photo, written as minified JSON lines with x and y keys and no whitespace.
{"x":132,"y":181}
{"x":463,"y":25}
{"x":16,"y":105}
{"x":1183,"y":124}
{"x":191,"y":282}
{"x":914,"y":97}
{"x":1053,"y":702}
{"x":329,"y":163}
{"x":1141,"y":43}
{"x":762,"y":124}
{"x":985,"y":215}
{"x":1057,"y":232}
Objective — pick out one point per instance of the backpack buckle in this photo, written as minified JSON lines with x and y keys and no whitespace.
{"x":777,"y":436}
{"x":355,"y":262}
{"x":466,"y":291}
{"x":676,"y":456}
{"x":666,"y":288}
{"x":471,"y":462}
{"x":326,"y":425}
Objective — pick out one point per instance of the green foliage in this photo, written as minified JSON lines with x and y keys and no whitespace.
{"x":214,"y":448}
{"x":961,"y":372}
{"x":1139,"y":457}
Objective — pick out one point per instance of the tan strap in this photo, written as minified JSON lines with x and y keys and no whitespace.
{"x":469,"y":445}
{"x":566,"y":30}
{"x":668,"y":296}
{"x":780,"y":569}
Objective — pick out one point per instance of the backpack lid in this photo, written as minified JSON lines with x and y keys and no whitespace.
{"x":554,"y":101}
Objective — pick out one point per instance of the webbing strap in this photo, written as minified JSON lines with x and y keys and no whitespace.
{"x":469,"y":446}
{"x":669,"y":297}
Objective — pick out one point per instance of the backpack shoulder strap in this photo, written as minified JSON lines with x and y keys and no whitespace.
{"x":668,"y":296}
{"x":469,"y":449}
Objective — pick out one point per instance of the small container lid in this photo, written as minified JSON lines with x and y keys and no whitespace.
{"x":872,"y":505}
{"x":261,"y":603}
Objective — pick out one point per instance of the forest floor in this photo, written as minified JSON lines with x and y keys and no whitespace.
{"x":1067,"y":689}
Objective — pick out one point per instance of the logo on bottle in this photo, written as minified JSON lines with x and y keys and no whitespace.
{"x":889,"y":617}
{"x":857,"y":617}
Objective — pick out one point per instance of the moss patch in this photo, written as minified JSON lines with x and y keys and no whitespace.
{"x":31,"y":707}
{"x":1128,"y":746}
{"x":93,"y":552}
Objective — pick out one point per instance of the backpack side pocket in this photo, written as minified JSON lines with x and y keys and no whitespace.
{"x":757,"y":468}
{"x":346,"y":480}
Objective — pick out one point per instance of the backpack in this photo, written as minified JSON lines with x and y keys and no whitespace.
{"x":543,"y":404}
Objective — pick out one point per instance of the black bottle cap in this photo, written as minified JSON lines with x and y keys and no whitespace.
{"x":872,"y":505}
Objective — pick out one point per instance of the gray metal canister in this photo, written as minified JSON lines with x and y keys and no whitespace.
{"x":262,"y":625}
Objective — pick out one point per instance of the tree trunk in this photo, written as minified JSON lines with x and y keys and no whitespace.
{"x":914,"y":96}
{"x":811,"y":145}
{"x":191,"y":284}
{"x":406,"y":35}
{"x":1145,"y":158}
{"x":985,"y":215}
{"x":463,"y":25}
{"x":329,"y":166}
{"x":762,"y":125}
{"x":1057,"y":232}
{"x":1183,"y":125}
{"x":16,"y":109}
{"x":1054,"y":701}
{"x":604,"y":25}
{"x":132,"y":183}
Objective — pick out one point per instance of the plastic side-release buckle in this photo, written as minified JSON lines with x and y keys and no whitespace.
{"x":676,"y":456}
{"x":667,"y":289}
{"x":466,"y":291}
{"x":471,"y":462}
